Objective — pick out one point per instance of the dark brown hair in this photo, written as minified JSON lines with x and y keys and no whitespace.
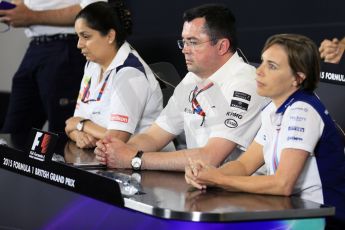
{"x":303,"y":56}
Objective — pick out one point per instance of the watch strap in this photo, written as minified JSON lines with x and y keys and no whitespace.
{"x":82,"y":123}
{"x":139,"y":154}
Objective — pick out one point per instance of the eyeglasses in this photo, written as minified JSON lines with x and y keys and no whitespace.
{"x":191,"y":43}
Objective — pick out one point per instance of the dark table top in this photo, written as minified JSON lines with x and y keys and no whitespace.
{"x":166,"y":195}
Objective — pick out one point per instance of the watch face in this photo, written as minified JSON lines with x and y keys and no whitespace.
{"x":136,"y":163}
{"x":79,"y":126}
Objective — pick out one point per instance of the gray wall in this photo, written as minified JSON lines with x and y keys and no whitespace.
{"x":12,"y":47}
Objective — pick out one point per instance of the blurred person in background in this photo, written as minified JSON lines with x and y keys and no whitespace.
{"x":46,"y":84}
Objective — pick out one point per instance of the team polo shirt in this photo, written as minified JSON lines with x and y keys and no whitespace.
{"x":302,"y":122}
{"x":130,"y":98}
{"x":228,"y":99}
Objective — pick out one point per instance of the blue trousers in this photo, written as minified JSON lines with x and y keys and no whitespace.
{"x":45,"y":86}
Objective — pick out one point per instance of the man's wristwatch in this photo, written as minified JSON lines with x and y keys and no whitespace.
{"x":80,"y":125}
{"x":136,"y":161}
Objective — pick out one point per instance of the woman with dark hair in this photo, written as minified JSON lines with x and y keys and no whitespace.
{"x":119,"y":94}
{"x":298,"y":140}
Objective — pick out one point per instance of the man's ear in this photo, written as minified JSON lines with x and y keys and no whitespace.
{"x":224,"y":46}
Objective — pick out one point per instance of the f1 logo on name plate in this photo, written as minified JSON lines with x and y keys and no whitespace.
{"x":41,"y":144}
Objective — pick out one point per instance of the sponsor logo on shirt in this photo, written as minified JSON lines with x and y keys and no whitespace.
{"x":296,"y":128}
{"x":233,"y":114}
{"x":300,"y":109}
{"x":187,"y":110}
{"x":120,"y":118}
{"x":239,"y":105}
{"x":231,"y":123}
{"x":297,"y":118}
{"x":295,"y":138}
{"x":242,"y":95}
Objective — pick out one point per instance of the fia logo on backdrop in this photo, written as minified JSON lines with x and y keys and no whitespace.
{"x":41,"y":145}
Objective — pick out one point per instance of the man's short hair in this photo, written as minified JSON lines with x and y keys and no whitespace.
{"x":220,"y":22}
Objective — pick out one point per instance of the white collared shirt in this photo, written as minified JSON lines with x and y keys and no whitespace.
{"x":232,"y":106}
{"x":130,"y":101}
{"x":39,"y":5}
{"x":300,"y":128}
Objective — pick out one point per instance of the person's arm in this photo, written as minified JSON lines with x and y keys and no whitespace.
{"x":245,"y":165}
{"x":126,"y":98}
{"x":281,"y":183}
{"x":119,"y":155}
{"x":116,"y":154}
{"x":214,"y":153}
{"x":228,"y":177}
{"x":82,"y":139}
{"x":130,"y":96}
{"x":100,"y":132}
{"x":153,"y":139}
{"x":91,"y":133}
{"x":22,"y":16}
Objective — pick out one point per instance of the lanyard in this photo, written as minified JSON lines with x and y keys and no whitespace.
{"x":100,"y":93}
{"x":277,"y":123}
{"x":195,"y":104}
{"x":275,"y":161}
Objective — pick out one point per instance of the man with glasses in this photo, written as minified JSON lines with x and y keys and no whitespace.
{"x":216,"y":104}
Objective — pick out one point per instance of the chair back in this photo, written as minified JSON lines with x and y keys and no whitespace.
{"x":167,"y":77}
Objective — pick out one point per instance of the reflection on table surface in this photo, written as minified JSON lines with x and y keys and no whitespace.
{"x":162,"y":190}
{"x":73,"y":154}
{"x":221,"y":200}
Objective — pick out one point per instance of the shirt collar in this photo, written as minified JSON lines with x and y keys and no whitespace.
{"x":120,"y":56}
{"x":224,"y":72}
{"x":295,"y":96}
